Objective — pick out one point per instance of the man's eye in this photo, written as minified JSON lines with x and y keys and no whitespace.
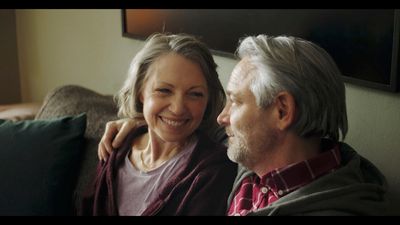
{"x":235,"y":102}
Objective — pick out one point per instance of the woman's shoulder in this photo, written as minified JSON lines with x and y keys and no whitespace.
{"x":139,"y":140}
{"x":137,"y":136}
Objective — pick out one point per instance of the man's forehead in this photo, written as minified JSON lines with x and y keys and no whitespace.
{"x":240,"y":76}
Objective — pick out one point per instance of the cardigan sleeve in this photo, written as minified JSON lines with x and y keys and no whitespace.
{"x":209,"y":192}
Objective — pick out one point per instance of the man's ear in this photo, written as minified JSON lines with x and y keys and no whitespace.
{"x":141,"y":98}
{"x":286,"y":107}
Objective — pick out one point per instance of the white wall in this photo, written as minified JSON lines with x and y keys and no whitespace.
{"x":86,"y":47}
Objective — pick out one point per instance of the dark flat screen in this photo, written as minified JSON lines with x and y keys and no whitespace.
{"x":364,"y":43}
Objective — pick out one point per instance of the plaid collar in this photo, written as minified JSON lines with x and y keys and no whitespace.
{"x":289,"y":178}
{"x":256,"y":192}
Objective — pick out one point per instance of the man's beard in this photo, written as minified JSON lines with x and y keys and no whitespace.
{"x":238,"y":151}
{"x":249,"y":154}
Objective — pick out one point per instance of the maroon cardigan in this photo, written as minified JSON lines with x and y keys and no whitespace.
{"x":200,"y":187}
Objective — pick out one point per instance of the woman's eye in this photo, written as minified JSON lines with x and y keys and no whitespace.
{"x":163,"y":90}
{"x":197,"y":94}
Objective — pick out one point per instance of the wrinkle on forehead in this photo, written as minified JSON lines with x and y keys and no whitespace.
{"x":243,"y":71}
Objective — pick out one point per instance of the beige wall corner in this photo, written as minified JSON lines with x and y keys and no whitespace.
{"x":9,"y":75}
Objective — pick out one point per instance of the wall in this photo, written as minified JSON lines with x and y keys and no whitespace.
{"x":9,"y":76}
{"x":374,"y":131}
{"x":86,"y":47}
{"x":82,"y":47}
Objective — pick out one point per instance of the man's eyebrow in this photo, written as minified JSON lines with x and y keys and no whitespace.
{"x":235,"y":95}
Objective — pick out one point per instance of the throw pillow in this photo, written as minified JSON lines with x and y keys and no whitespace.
{"x":39,"y":164}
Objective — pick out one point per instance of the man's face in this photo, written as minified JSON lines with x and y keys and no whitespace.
{"x":250,"y":129}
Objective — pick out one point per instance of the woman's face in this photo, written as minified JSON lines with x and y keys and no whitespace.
{"x":174,"y":97}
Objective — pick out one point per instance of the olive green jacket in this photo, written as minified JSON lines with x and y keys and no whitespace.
{"x":357,"y":188}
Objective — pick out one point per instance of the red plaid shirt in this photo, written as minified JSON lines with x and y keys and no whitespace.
{"x":255,"y":192}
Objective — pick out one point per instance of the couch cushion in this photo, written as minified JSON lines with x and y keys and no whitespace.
{"x":39,"y":164}
{"x":73,"y":100}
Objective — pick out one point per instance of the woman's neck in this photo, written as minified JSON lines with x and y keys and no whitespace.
{"x":152,"y":152}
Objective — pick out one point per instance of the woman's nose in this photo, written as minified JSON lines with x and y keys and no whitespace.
{"x":177,"y":105}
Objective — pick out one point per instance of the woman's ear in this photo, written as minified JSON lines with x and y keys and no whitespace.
{"x":286,"y":107}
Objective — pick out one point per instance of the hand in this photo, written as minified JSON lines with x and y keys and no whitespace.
{"x":114,"y":135}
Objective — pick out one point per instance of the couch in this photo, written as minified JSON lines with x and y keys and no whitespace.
{"x":74,"y":100}
{"x":67,"y":100}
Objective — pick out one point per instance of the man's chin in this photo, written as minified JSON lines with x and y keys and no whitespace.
{"x":233,"y":159}
{"x":233,"y":155}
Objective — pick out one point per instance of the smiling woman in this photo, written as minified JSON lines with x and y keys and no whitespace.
{"x":174,"y":97}
{"x":171,"y":166}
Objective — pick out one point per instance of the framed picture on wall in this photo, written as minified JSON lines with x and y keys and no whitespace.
{"x":363,"y":42}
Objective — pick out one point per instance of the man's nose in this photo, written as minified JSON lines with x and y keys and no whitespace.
{"x":223,"y":117}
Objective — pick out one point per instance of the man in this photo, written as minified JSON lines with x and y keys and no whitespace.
{"x":285,"y":115}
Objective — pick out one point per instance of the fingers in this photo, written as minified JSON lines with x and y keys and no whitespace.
{"x":99,"y":155}
{"x":112,"y":128}
{"x":114,"y":135}
{"x":127,"y":126}
{"x":105,"y":148}
{"x":102,"y":153}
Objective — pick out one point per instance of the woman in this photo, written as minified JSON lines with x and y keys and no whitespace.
{"x":170,"y":166}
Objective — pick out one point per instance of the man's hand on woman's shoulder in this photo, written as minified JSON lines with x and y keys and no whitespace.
{"x":114,"y":135}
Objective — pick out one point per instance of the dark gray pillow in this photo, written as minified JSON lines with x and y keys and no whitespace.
{"x":39,"y":164}
{"x":73,"y":100}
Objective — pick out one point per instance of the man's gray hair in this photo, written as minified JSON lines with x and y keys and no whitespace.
{"x":187,"y":46}
{"x":308,"y":73}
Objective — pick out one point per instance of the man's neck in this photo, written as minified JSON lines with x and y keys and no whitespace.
{"x":293,"y":149}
